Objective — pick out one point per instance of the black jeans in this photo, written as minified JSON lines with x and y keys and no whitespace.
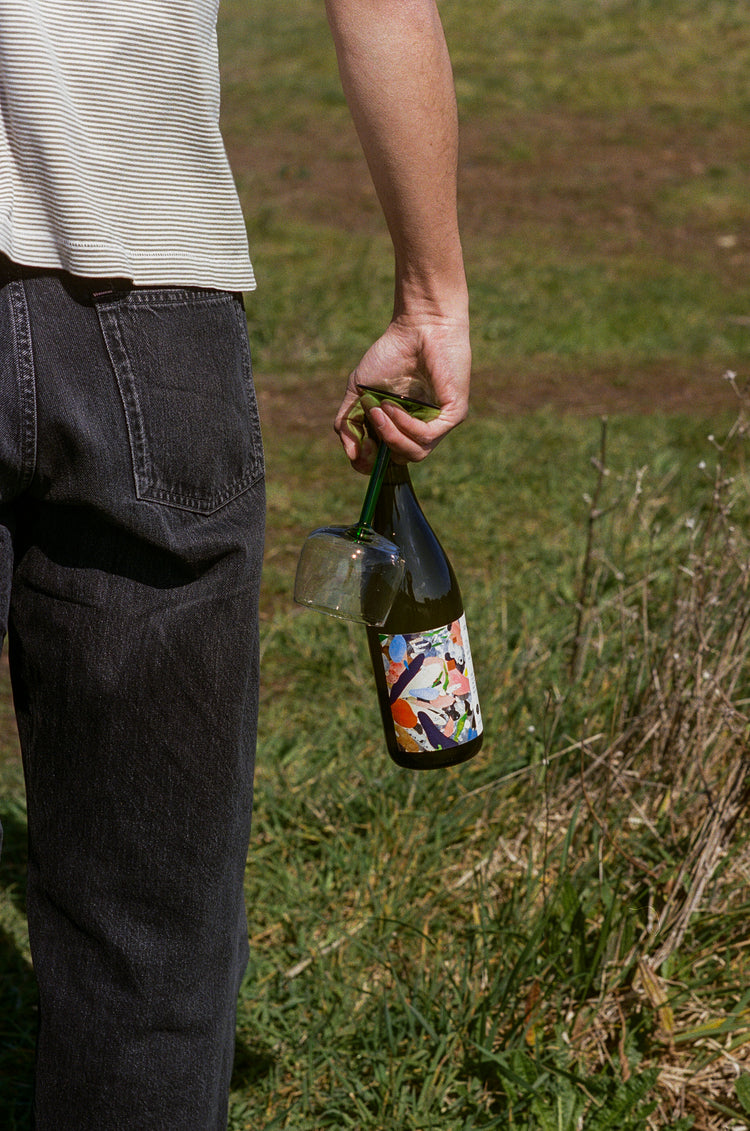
{"x":131,"y":530}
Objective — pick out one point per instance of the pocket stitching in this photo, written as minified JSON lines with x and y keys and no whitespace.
{"x":129,"y":395}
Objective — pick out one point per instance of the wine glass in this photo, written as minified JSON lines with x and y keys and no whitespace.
{"x":352,"y":572}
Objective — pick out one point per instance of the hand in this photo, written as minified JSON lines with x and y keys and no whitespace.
{"x":433,"y":349}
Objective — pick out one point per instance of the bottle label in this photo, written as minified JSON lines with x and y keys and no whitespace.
{"x":431,"y":687}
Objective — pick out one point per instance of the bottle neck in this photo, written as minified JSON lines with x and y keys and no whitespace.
{"x":397,"y":474}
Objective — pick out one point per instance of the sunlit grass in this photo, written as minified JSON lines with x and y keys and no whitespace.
{"x":604,"y":163}
{"x":478,"y":948}
{"x":483,"y":935}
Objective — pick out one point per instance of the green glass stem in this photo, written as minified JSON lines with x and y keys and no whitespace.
{"x":373,"y":488}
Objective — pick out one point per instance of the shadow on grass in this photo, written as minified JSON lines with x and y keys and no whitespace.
{"x":18,"y":995}
{"x":252,"y":1063}
{"x":18,"y":1009}
{"x":18,"y":1019}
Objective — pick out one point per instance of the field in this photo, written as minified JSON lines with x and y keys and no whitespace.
{"x":553,"y":936}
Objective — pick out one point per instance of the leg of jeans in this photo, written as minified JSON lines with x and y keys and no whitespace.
{"x":133,"y":642}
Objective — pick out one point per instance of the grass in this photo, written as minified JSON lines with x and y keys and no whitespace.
{"x":554,"y":932}
{"x":553,"y":935}
{"x":603,"y":187}
{"x":485,"y":947}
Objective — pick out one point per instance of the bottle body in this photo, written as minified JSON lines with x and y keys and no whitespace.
{"x":421,"y":656}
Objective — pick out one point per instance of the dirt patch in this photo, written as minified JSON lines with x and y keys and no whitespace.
{"x":570,"y":174}
{"x":560,"y":178}
{"x":308,"y":409}
{"x":578,"y":173}
{"x":653,"y":387}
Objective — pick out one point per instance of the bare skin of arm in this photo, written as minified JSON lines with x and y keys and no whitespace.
{"x":398,"y":82}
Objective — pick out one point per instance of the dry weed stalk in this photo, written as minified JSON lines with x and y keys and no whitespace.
{"x":679,"y":753}
{"x":685,"y":740}
{"x":675,"y":768}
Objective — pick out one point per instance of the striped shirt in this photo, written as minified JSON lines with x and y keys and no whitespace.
{"x":111,"y":159}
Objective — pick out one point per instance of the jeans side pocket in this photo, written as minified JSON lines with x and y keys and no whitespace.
{"x":182,"y":364}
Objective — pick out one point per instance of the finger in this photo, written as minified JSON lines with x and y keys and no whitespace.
{"x":426,"y":434}
{"x":406,"y":446}
{"x":359,"y":447}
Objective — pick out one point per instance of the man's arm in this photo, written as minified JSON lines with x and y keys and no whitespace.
{"x":397,"y":79}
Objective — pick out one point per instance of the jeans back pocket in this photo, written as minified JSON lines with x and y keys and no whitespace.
{"x":182,"y":363}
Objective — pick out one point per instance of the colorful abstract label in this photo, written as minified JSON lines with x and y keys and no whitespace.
{"x":431,"y":687}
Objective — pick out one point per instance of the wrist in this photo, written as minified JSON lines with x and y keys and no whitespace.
{"x":432,"y":298}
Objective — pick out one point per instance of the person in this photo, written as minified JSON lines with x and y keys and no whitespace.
{"x":132,"y":506}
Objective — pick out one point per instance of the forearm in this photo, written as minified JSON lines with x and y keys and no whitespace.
{"x":398,"y":82}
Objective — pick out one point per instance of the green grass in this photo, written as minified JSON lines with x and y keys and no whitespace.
{"x":553,"y":935}
{"x":673,"y":56}
{"x":603,"y":185}
{"x":461,"y":949}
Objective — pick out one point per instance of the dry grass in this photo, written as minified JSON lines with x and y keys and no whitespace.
{"x":673,"y":777}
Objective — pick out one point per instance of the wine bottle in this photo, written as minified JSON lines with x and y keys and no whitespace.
{"x":420,"y":656}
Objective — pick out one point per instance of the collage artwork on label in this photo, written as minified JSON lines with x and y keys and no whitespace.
{"x":431,"y":686}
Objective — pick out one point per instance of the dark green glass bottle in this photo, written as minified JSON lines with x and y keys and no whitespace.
{"x":421,"y":657}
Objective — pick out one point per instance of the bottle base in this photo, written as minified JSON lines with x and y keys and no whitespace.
{"x":436,"y":759}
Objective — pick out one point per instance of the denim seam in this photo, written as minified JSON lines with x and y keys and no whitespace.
{"x":173,"y":297}
{"x":26,"y":382}
{"x":128,"y":392}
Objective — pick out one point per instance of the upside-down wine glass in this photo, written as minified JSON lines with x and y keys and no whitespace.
{"x":351,"y":572}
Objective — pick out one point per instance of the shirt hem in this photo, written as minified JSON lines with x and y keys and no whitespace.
{"x":148,"y":270}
